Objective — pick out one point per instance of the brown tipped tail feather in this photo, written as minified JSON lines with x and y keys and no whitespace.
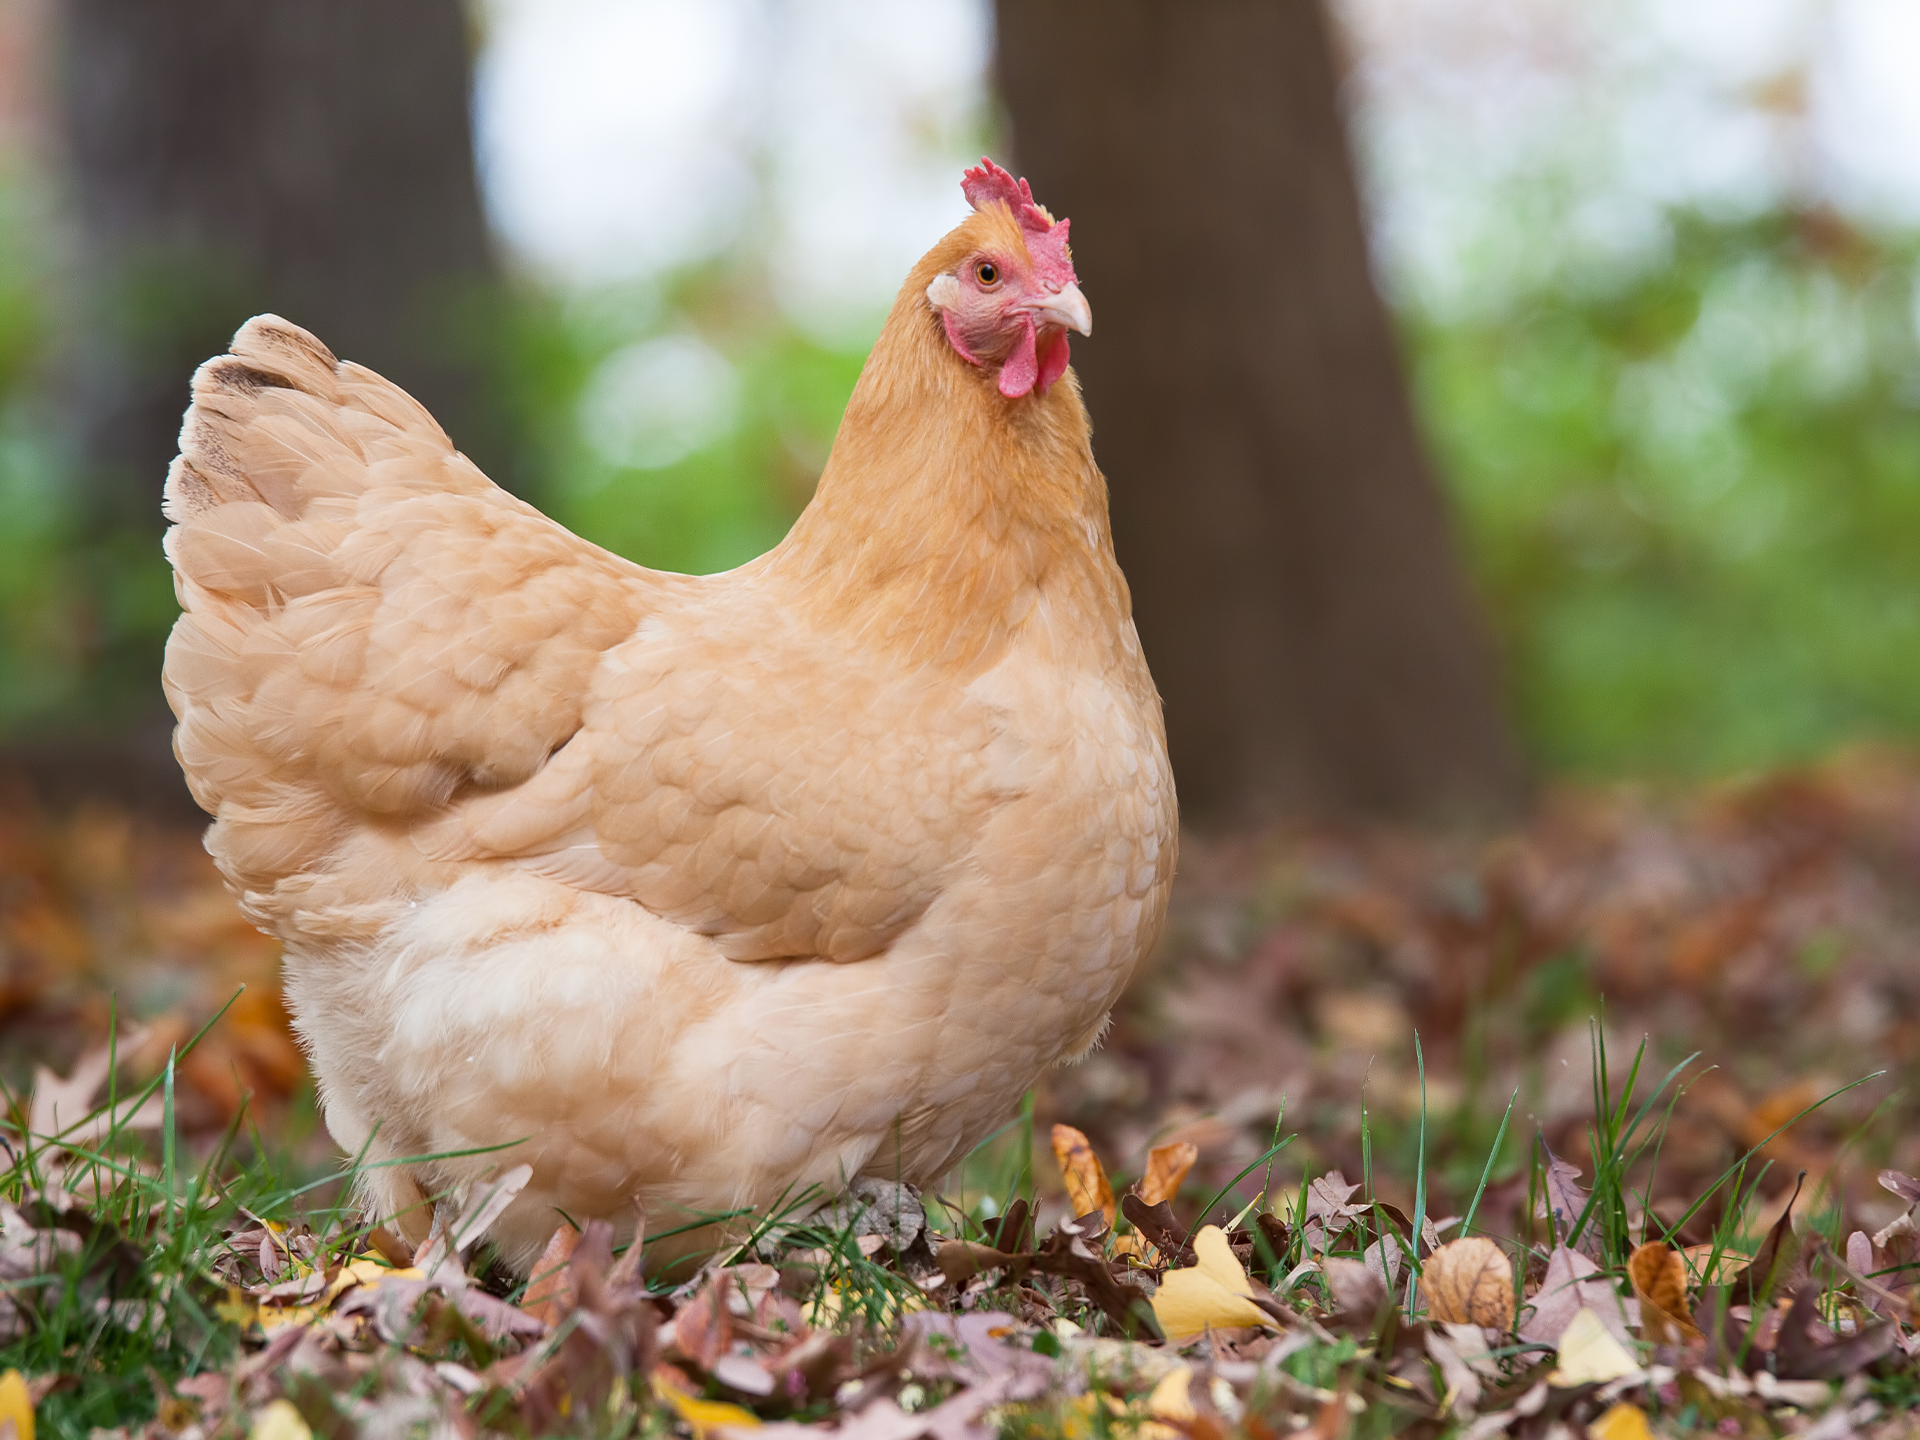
{"x":370,"y":625}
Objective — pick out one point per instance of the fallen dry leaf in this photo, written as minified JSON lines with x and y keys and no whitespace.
{"x":1167,"y":1167}
{"x":1213,"y":1294}
{"x":1469,"y":1282}
{"x":703,"y":1415}
{"x":1564,"y":1205}
{"x":1589,"y":1355}
{"x":1169,"y":1399}
{"x":16,"y":1405}
{"x":704,"y":1328}
{"x":1088,"y":1189}
{"x":1157,"y":1225}
{"x":1779,"y":1266}
{"x":1621,"y":1422}
{"x":276,"y":1420}
{"x":1573,"y":1284}
{"x":1659,"y":1279}
{"x":1462,"y":1395}
{"x":1358,"y":1292}
{"x":550,"y":1286}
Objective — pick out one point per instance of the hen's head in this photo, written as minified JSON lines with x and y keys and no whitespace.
{"x":1012,"y":297}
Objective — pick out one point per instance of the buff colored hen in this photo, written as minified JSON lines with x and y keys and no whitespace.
{"x":692,"y":891}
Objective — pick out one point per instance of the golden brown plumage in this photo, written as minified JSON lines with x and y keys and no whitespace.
{"x":704,"y":890}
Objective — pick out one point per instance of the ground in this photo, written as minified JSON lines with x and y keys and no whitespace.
{"x":1419,"y":1021}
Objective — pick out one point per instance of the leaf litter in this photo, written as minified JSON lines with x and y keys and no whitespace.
{"x":1703,"y":1230}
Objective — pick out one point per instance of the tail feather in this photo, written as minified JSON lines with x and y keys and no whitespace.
{"x":369,"y":626}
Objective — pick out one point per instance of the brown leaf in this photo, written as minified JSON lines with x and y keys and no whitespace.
{"x":1779,"y":1266}
{"x":390,"y":1247}
{"x":1469,"y":1282}
{"x":1798,"y":1356}
{"x":1572,"y":1284}
{"x":549,"y":1290}
{"x":626,"y":1269}
{"x":961,"y":1260}
{"x":1087,"y":1186}
{"x":1357,"y":1292}
{"x":1161,"y":1230}
{"x":1012,"y":1230}
{"x":1067,"y":1256}
{"x":703,"y":1329}
{"x":1659,"y":1278}
{"x":1565,"y":1203}
{"x":1167,"y":1167}
{"x":1327,"y":1210}
{"x":1463,"y":1386}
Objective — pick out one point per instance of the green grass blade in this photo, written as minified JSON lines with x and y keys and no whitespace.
{"x":1486,"y":1172}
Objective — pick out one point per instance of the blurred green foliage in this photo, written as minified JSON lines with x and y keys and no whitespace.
{"x":1688,"y":482}
{"x":44,"y":621}
{"x":744,"y":469}
{"x":1690,"y":489}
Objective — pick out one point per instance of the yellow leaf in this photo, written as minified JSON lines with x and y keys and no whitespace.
{"x":365,"y":1272}
{"x":703,"y":1415}
{"x":1622,"y":1422}
{"x":1088,"y":1189}
{"x":16,"y":1406}
{"x":1589,"y":1355}
{"x":236,"y":1309}
{"x":273,"y":1317}
{"x":1169,"y":1400}
{"x":1167,"y":1167}
{"x":278,"y":1420}
{"x":1209,"y":1295}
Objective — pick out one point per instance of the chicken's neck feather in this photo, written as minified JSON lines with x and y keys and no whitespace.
{"x":949,"y":517}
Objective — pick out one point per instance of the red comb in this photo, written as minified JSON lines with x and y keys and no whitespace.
{"x":1046,"y":238}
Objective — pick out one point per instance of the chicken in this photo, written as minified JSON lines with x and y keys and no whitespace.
{"x":693,"y":893}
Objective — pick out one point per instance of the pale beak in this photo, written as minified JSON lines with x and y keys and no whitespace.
{"x":1066,"y":307}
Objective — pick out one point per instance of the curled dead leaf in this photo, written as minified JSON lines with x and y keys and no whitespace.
{"x":1167,"y":1167}
{"x":1158,"y":1226}
{"x":1469,"y":1282}
{"x":1659,"y":1278}
{"x":1088,"y":1189}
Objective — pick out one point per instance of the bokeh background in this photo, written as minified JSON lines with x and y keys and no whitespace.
{"x":1635,"y":307}
{"x":1651,"y":262}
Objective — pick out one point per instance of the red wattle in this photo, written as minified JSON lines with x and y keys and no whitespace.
{"x":1022,"y":367}
{"x":1053,"y":364}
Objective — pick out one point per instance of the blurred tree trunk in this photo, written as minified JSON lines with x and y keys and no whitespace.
{"x":1292,"y":568}
{"x":225,"y":157}
{"x":311,"y":157}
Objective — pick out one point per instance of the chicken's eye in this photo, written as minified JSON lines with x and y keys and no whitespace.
{"x":987,"y":273}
